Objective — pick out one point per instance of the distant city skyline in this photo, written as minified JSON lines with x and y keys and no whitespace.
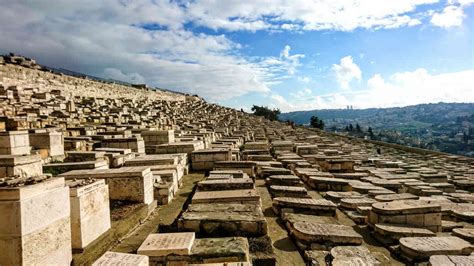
{"x":292,"y":55}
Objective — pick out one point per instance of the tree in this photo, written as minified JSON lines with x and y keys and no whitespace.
{"x":351,"y":127}
{"x":315,"y":122}
{"x":358,"y":129}
{"x":270,"y":114}
{"x":371,"y":133}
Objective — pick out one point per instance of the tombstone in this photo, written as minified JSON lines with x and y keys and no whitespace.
{"x":163,"y":244}
{"x":90,"y":211}
{"x":350,"y":255}
{"x":20,"y":166}
{"x":225,"y":184}
{"x":118,"y":259}
{"x":35,"y":223}
{"x":304,"y":205}
{"x":224,"y":219}
{"x":421,"y":248}
{"x":230,"y":196}
{"x":205,"y":159}
{"x":415,"y":213}
{"x":451,"y":260}
{"x":14,"y":143}
{"x":311,"y":235}
{"x":126,"y":183}
{"x":49,"y":143}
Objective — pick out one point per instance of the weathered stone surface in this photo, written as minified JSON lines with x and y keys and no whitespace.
{"x":35,"y":224}
{"x":421,"y":248}
{"x":231,"y":196}
{"x":117,"y":259}
{"x":304,"y":205}
{"x":325,"y":234}
{"x":90,"y":212}
{"x":288,"y":191}
{"x":352,"y":255}
{"x":392,"y":197}
{"x":216,"y":219}
{"x":353,"y":203}
{"x":451,"y":260}
{"x":465,"y":233}
{"x":160,"y":245}
{"x":226,"y":184}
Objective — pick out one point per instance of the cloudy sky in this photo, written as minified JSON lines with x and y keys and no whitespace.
{"x":290,"y":54}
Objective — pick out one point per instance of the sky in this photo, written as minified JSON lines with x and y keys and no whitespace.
{"x":287,"y":54}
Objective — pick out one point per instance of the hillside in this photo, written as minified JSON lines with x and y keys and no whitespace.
{"x":442,"y":126}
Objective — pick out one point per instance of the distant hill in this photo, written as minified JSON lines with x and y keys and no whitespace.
{"x":446,"y":127}
{"x":422,"y":113}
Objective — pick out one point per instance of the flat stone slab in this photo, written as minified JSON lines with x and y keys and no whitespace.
{"x":219,"y":219}
{"x":392,"y":197}
{"x":424,"y":247}
{"x":289,"y":191}
{"x":352,"y":255}
{"x":226,"y":184}
{"x":451,"y":260}
{"x":398,"y":231}
{"x":336,"y":196}
{"x":465,"y":233}
{"x":304,"y":205}
{"x":332,"y":234}
{"x":240,"y":195}
{"x":159,"y":245}
{"x":405,"y":207}
{"x":115,"y":259}
{"x":353,"y":203}
{"x":285,"y":180}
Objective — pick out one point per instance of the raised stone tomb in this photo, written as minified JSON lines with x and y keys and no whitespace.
{"x":126,"y":183}
{"x":35,"y":224}
{"x":110,"y":258}
{"x":230,"y":196}
{"x":90,"y":211}
{"x":421,"y":248}
{"x":219,"y":219}
{"x":415,"y":213}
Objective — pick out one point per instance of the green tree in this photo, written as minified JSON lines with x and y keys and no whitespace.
{"x":315,"y":122}
{"x":270,"y":114}
{"x":371,"y":133}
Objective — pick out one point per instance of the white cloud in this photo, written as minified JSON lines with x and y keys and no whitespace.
{"x":302,"y":14}
{"x":399,"y":89}
{"x":131,"y":40}
{"x":285,"y":63}
{"x":304,"y":79}
{"x":346,"y":71}
{"x":450,"y":17}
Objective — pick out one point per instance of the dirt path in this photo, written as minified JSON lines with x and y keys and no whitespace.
{"x":285,"y":250}
{"x":164,"y":215}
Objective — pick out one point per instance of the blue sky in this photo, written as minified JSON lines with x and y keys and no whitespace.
{"x":292,"y":55}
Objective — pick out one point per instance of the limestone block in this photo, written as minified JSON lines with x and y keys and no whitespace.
{"x":20,"y":165}
{"x":121,"y":259}
{"x":35,"y":224}
{"x":90,"y":212}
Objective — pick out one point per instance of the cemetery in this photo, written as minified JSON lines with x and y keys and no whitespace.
{"x":96,"y":173}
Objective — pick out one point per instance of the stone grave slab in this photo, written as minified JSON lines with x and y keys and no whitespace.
{"x":392,"y":197}
{"x":288,"y":191}
{"x":304,"y":205}
{"x":163,"y":244}
{"x":231,"y":196}
{"x":226,"y":184}
{"x":336,"y":196}
{"x":324,"y":236}
{"x":121,"y":259}
{"x":421,"y":248}
{"x":353,"y":203}
{"x":451,"y":260}
{"x":465,"y":233}
{"x":219,"y":219}
{"x":352,"y":255}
